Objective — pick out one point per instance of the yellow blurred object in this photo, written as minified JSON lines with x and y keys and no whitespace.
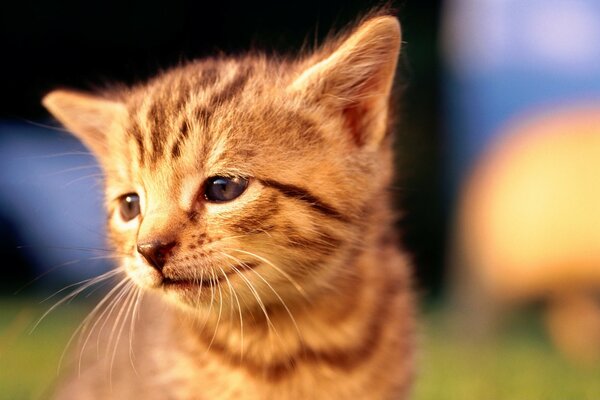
{"x":529,"y":218}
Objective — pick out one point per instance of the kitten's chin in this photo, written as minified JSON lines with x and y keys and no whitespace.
{"x":146,"y":278}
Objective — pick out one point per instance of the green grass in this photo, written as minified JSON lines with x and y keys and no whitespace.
{"x":518,"y":364}
{"x":29,"y":360}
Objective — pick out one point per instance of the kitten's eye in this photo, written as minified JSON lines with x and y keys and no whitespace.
{"x":219,"y":189}
{"x":129,"y":206}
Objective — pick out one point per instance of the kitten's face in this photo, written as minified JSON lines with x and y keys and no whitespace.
{"x":244,"y":179}
{"x":248,"y":197}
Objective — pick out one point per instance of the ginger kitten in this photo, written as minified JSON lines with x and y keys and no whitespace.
{"x":248,"y":203}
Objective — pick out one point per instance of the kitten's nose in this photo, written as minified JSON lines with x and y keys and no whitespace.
{"x":155,"y":252}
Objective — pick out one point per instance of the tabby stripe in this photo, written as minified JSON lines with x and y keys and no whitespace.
{"x":185,"y":92}
{"x":322,"y":244}
{"x":156,"y":116}
{"x":208,"y":78}
{"x":136,"y":133}
{"x":203,"y":113}
{"x":258,"y":218}
{"x":183,"y":134}
{"x":346,"y":359}
{"x":305,"y":196}
{"x":231,"y":89}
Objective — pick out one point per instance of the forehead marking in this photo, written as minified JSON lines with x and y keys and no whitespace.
{"x":165,"y":106}
{"x":134,"y":131}
{"x":183,"y":134}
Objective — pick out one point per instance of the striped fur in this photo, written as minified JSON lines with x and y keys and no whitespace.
{"x":294,"y":290}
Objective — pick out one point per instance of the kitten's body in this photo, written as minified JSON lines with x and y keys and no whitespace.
{"x":293,"y":289}
{"x":365,"y":354}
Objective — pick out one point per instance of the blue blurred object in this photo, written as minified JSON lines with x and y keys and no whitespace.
{"x":506,"y":58}
{"x":50,"y":193}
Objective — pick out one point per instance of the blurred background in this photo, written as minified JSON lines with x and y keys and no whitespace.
{"x":498,"y":172}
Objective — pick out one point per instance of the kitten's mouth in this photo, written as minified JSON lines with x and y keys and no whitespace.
{"x":210,"y":281}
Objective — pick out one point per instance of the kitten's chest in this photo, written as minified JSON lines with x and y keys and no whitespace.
{"x":192,"y":371}
{"x":215,"y":382}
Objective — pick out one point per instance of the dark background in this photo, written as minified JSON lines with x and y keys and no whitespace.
{"x":83,"y":44}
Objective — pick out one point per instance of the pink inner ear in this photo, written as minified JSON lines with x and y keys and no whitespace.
{"x":353,"y":116}
{"x":360,"y":113}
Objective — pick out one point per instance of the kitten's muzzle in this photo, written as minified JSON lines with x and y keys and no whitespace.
{"x":156,"y":253}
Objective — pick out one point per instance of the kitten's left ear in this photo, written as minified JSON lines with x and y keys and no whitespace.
{"x":89,"y":118}
{"x":357,"y":77}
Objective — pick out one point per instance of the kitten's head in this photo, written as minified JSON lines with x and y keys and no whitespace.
{"x":251,"y":174}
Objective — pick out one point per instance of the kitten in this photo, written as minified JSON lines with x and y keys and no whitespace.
{"x":248,"y":201}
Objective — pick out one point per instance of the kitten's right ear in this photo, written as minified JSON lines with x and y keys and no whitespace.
{"x":88,"y":117}
{"x":356,"y":78}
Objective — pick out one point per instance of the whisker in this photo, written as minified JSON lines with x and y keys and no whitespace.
{"x":233,"y":294}
{"x":124,"y":299}
{"x":216,"y":282}
{"x":123,"y":293}
{"x":86,"y":284}
{"x":72,"y":181}
{"x":126,"y":306}
{"x":72,"y":169}
{"x":82,"y":326}
{"x":233,"y":237}
{"x":198,"y":282}
{"x":116,"y":291}
{"x":210,"y":307}
{"x":46,"y":126}
{"x":71,"y":248}
{"x":276,"y":268}
{"x":134,"y":316}
{"x":98,"y":287}
{"x":283,"y":303}
{"x":48,"y":271}
{"x":255,"y":294}
{"x":57,"y":155}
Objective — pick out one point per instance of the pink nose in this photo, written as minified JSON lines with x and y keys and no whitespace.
{"x":155,"y":253}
